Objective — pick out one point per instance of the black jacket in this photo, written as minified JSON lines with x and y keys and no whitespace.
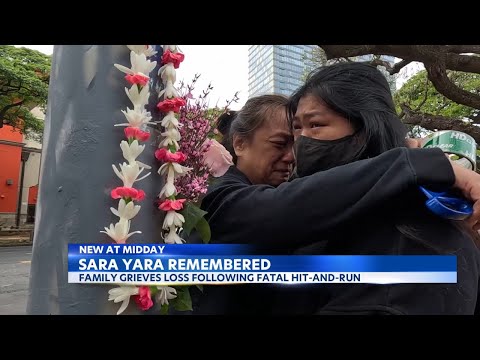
{"x":408,"y":229}
{"x":308,"y":213}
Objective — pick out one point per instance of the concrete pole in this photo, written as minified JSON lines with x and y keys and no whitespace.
{"x":80,"y":145}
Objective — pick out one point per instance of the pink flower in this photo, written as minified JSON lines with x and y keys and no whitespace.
{"x":127,"y":193}
{"x":217,"y":158}
{"x":171,"y":105}
{"x":138,"y":79}
{"x":169,"y":205}
{"x":144,"y":298}
{"x":169,"y":57}
{"x":167,"y":156}
{"x":136,"y":133}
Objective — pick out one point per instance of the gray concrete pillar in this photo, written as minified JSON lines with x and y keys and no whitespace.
{"x":80,"y":145}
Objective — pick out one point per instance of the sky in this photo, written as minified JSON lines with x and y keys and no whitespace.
{"x":225,"y":67}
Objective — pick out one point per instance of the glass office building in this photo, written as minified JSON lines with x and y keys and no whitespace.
{"x":281,"y":69}
{"x":276,"y":69}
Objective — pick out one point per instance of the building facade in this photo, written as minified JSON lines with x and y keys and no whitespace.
{"x":281,"y":69}
{"x":19,"y":176}
{"x":276,"y":69}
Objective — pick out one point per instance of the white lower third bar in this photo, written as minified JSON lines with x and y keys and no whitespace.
{"x":223,"y":278}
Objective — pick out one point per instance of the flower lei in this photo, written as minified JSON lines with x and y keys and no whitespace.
{"x":178,"y":199}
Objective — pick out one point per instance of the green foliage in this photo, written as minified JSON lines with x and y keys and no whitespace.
{"x":192,"y":214}
{"x":164,"y":309}
{"x":419,"y":91}
{"x":183,"y":301}
{"x":203,"y":229}
{"x":24,"y":79}
{"x":194,"y":219}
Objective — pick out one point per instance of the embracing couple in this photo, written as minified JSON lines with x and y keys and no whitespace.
{"x":328,"y":171}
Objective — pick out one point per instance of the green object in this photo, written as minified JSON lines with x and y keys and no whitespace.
{"x":192,"y":215}
{"x":24,"y":81}
{"x":183,"y":301}
{"x":203,"y":229}
{"x":455,"y":143}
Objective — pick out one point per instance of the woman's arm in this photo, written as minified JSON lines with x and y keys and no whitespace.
{"x":299,"y":212}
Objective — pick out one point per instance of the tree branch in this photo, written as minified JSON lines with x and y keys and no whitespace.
{"x":438,"y":76}
{"x":409,"y":53}
{"x":462,"y":49}
{"x":475,"y":118}
{"x":437,"y":122}
{"x":425,"y":98}
{"x":399,"y":51}
{"x":380,"y":62}
{"x":388,"y":66}
{"x":398,"y":66}
{"x":465,"y":63}
{"x":6,"y":108}
{"x":6,"y":90}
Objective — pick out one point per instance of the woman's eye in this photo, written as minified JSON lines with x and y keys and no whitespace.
{"x":315,"y":125}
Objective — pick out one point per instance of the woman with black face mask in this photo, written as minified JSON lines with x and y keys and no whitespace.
{"x":343,"y":114}
{"x":253,"y":203}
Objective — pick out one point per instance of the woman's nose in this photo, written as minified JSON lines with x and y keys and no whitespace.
{"x":288,"y":156}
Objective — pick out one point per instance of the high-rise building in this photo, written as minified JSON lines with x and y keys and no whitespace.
{"x":280,"y":69}
{"x":276,"y":69}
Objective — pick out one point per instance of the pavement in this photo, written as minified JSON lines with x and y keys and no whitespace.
{"x":15,"y":258}
{"x":14,"y":279}
{"x":15,"y":238}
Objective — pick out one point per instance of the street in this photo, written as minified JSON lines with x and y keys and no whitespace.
{"x":14,"y":277}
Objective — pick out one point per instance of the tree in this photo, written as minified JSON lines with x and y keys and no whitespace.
{"x":24,"y":78}
{"x":419,"y":95}
{"x":317,"y":57}
{"x":445,"y":66}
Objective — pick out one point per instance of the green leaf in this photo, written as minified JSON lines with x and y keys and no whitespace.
{"x":164,"y":309}
{"x":153,"y":290}
{"x":192,"y":215}
{"x":183,"y":301}
{"x":199,"y":287}
{"x":203,"y":230}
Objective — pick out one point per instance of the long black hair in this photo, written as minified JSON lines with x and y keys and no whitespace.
{"x":360,"y":93}
{"x":223,"y":124}
{"x":224,"y":121}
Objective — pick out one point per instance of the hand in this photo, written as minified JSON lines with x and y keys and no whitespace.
{"x":413,"y":143}
{"x":468,"y":182}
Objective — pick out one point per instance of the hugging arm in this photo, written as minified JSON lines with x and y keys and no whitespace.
{"x":297,"y":213}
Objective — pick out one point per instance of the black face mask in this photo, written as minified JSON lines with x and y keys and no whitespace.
{"x":314,"y":155}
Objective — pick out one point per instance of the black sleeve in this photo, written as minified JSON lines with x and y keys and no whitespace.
{"x":298,"y":212}
{"x":477,"y":306}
